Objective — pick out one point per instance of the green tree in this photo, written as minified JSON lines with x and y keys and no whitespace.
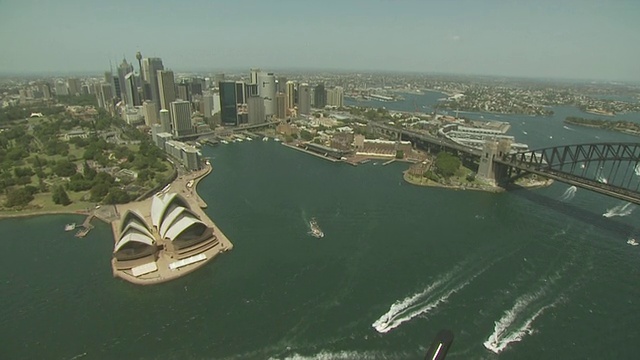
{"x":99,"y":191}
{"x":447,"y":164}
{"x":19,"y":197}
{"x":306,"y":135}
{"x":399,"y":154}
{"x":60,"y":196}
{"x":65,"y":168}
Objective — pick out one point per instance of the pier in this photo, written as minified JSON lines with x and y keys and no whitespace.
{"x":86,"y":226}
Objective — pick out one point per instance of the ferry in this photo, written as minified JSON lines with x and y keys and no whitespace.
{"x":632,"y":242}
{"x":315,"y":229}
{"x":70,"y":227}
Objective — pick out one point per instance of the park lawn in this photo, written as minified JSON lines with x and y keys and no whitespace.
{"x":43,"y":203}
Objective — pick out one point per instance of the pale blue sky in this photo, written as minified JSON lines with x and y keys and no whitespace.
{"x":558,"y":39}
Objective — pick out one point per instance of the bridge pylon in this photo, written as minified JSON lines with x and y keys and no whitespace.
{"x":489,"y":170}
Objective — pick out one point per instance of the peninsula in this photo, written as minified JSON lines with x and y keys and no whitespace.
{"x":626,"y":127}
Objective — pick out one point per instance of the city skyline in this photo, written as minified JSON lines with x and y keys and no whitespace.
{"x":568,"y":40}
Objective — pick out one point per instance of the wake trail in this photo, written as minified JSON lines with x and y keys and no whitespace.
{"x":637,"y":169}
{"x":569,"y":194}
{"x":423,"y":302}
{"x":620,"y":210}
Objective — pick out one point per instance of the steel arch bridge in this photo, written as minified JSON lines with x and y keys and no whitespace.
{"x":612,"y":169}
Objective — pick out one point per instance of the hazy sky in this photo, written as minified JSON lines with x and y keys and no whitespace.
{"x":560,"y":39}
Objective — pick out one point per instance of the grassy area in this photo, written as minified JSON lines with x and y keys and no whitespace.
{"x":43,"y":203}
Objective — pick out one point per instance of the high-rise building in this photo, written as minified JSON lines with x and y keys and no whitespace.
{"x":281,"y":106}
{"x":281,"y":84}
{"x":267,"y":91}
{"x":165,"y":120}
{"x":46,"y":91}
{"x":149,"y":113}
{"x":320,"y":96}
{"x":290,"y":92}
{"x":335,"y":97}
{"x":150,"y":67}
{"x":181,"y":118}
{"x":61,"y":89}
{"x":183,"y":91}
{"x":75,"y":87}
{"x":255,"y":74}
{"x":124,"y":69}
{"x":207,"y":104}
{"x":304,"y":99}
{"x":131,"y":90}
{"x":256,"y":108}
{"x":106,"y":95}
{"x":196,"y":85}
{"x":167,"y":88}
{"x":217,"y":79}
{"x":233,"y":108}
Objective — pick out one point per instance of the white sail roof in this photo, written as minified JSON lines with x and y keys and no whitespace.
{"x":131,"y":237}
{"x":180,"y":226}
{"x":171,"y":218}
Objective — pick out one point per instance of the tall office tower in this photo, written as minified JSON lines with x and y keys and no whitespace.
{"x":281,"y":106}
{"x":255,"y":105}
{"x":304,"y":99}
{"x":150,"y":67}
{"x":46,"y":91}
{"x":167,"y":88}
{"x":196,"y":85}
{"x":106,"y":94}
{"x":165,"y":120}
{"x":281,"y":84}
{"x":123,"y":69}
{"x":183,"y":91}
{"x":149,"y":113}
{"x":251,"y":90}
{"x":85,"y":89}
{"x":229,"y":102}
{"x":181,"y":118}
{"x":131,"y":90}
{"x":320,"y":96}
{"x":267,"y":91}
{"x":74,"y":86}
{"x":335,"y":97}
{"x":208,"y":104}
{"x":61,"y":89}
{"x":290,"y":92}
{"x":255,"y":75}
{"x":217,"y":79}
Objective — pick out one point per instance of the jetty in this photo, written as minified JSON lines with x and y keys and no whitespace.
{"x":86,"y":226}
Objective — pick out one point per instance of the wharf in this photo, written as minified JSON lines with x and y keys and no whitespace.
{"x":163,"y":259}
{"x":311,"y":153}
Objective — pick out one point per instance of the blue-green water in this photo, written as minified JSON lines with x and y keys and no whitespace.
{"x":522,"y":271}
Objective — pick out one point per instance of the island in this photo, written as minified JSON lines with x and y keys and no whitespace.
{"x":626,"y":127}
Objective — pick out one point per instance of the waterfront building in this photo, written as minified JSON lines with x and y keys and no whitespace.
{"x":304,"y":99}
{"x":136,"y":244}
{"x":281,"y":106}
{"x":167,"y":88}
{"x":181,"y":118}
{"x":162,"y":138}
{"x":150,"y":67}
{"x":149,"y":113}
{"x":320,"y":96}
{"x":256,"y":109}
{"x":233,"y":108}
{"x":165,"y":120}
{"x":335,"y":97}
{"x":290,"y":95}
{"x":74,"y":85}
{"x":187,"y":155}
{"x":267,"y":91}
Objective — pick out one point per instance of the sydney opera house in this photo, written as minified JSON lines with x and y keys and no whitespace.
{"x":170,"y":237}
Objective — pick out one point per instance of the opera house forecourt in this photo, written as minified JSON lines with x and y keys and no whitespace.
{"x":165,"y":237}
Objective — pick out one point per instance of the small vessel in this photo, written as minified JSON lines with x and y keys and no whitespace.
{"x":632,"y":242}
{"x":70,"y":227}
{"x":315,"y":229}
{"x":239,"y":140}
{"x":249,"y":138}
{"x":224,"y":141}
{"x":277,"y":139}
{"x":265,"y":139}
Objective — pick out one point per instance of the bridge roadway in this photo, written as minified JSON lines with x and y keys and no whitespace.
{"x":593,"y":185}
{"x":427,"y":138}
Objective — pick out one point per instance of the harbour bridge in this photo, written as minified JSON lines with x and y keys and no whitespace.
{"x":611,"y":169}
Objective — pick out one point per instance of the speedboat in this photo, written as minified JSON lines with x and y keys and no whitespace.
{"x":632,"y":242}
{"x":70,"y":227}
{"x":315,"y":229}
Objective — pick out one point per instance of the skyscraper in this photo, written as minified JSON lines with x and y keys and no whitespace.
{"x":181,"y":118}
{"x":255,"y":74}
{"x":106,"y":94}
{"x":281,"y":106}
{"x":228,"y":103}
{"x":167,"y":88}
{"x":150,"y":67}
{"x":304,"y":99}
{"x":131,"y":90}
{"x":320,"y":96}
{"x":255,"y":105}
{"x":74,"y":85}
{"x":149,"y":113}
{"x":123,"y":69}
{"x":281,"y":84}
{"x":290,"y":92}
{"x":335,"y":97}
{"x":267,"y":91}
{"x":183,"y":91}
{"x":207,"y":101}
{"x":165,"y":120}
{"x":61,"y":89}
{"x":217,"y":79}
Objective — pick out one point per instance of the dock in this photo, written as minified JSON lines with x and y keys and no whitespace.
{"x":86,"y":227}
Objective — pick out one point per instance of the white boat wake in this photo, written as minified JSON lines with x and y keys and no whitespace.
{"x":568,"y":128}
{"x":620,"y":210}
{"x":423,"y":302}
{"x":569,"y":193}
{"x":637,"y":169}
{"x":512,"y":327}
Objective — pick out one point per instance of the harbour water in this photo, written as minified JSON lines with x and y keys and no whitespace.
{"x":519,"y":275}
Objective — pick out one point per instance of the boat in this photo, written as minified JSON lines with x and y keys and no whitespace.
{"x":224,"y":141}
{"x":632,"y":242}
{"x":249,"y":138}
{"x":277,"y":139}
{"x":315,"y":229}
{"x":239,"y":140}
{"x":70,"y":227}
{"x":265,"y":139}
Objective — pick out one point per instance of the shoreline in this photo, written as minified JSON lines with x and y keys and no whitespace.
{"x":431,"y":183}
{"x":21,"y":214}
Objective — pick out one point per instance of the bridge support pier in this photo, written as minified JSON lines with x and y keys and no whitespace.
{"x":489,"y":170}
